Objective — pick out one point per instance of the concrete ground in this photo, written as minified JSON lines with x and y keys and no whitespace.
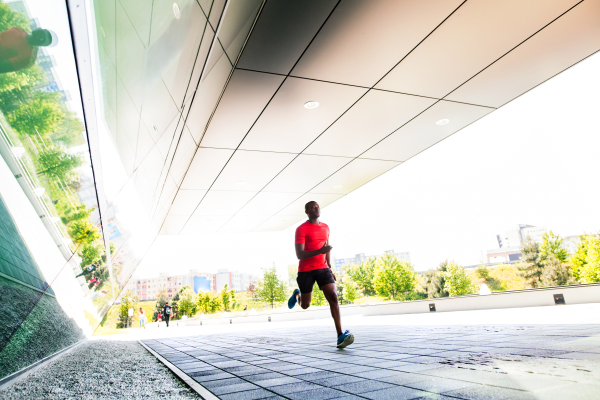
{"x":395,"y":362}
{"x":524,"y":353}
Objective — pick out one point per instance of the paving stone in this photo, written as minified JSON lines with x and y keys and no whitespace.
{"x":322,"y":393}
{"x":395,"y":393}
{"x":338,"y":380}
{"x":302,"y":371}
{"x":490,"y":393}
{"x":213,"y":377}
{"x":439,"y":385}
{"x":277,"y":381}
{"x":264,"y":377}
{"x":239,"y":387}
{"x":364,"y":386}
{"x":294,"y":387}
{"x":317,"y":375}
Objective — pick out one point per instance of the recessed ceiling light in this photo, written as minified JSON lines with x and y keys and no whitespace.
{"x":338,"y":187}
{"x":443,"y":121}
{"x":311,"y":104}
{"x":176,"y":11}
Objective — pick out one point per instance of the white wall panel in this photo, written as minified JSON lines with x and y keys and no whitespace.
{"x":246,"y":96}
{"x":287,"y":126}
{"x":354,"y":175}
{"x":186,"y":202}
{"x":572,"y":37}
{"x":243,"y":223}
{"x":305,"y":172}
{"x":363,"y":40}
{"x":476,"y":35}
{"x":199,"y":224}
{"x":374,"y":117}
{"x":267,"y":203}
{"x":297,"y":207}
{"x":423,"y":131}
{"x":223,"y":202}
{"x":205,"y":167}
{"x":251,"y":170}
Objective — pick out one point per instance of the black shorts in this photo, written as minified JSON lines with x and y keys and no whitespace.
{"x":306,"y":280}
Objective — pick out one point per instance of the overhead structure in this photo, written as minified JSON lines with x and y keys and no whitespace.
{"x":293,"y":101}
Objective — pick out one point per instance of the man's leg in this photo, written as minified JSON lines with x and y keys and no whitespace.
{"x":304,"y":300}
{"x":332,"y":298}
{"x":167,"y":321}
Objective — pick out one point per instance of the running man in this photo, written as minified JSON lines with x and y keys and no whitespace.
{"x":313,"y":251}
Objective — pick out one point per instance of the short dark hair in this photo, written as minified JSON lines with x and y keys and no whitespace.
{"x":308,"y":204}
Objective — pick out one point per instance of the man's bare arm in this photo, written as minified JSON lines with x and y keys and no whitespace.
{"x":304,"y":254}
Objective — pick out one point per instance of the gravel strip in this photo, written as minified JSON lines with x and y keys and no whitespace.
{"x":102,"y":369}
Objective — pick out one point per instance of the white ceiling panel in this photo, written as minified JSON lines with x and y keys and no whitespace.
{"x":286,"y":125}
{"x":472,"y":38}
{"x":573,"y":36}
{"x":165,"y":143}
{"x":159,"y":110}
{"x":251,"y":170}
{"x":354,"y":175}
{"x":243,"y":223}
{"x":424,"y":131}
{"x":186,"y":202}
{"x":246,"y":96}
{"x":173,"y":224}
{"x":374,"y":117}
{"x":144,"y":143}
{"x":153,"y":164}
{"x":266,"y":203}
{"x":183,"y":156}
{"x":297,"y":207}
{"x":279,"y":223}
{"x":363,"y":40}
{"x":305,"y":172}
{"x":223,"y":202}
{"x":296,"y":22}
{"x":205,"y":168}
{"x":202,"y":224}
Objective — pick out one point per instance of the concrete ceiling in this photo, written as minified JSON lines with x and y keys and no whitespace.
{"x":213,"y":129}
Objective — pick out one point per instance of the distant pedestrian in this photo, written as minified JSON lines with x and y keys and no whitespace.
{"x":159,"y":318}
{"x":246,"y":307}
{"x":167,"y":313}
{"x":142,"y":315}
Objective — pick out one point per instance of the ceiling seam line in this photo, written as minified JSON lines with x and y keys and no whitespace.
{"x":150,"y":29}
{"x":133,"y":26}
{"x":259,"y":13}
{"x":214,"y":39}
{"x":187,"y":89}
{"x":509,"y":51}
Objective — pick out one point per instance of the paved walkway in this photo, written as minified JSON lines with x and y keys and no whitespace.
{"x":395,"y":362}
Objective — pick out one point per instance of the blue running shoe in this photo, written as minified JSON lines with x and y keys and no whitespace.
{"x":345,"y":339}
{"x":292,"y":301}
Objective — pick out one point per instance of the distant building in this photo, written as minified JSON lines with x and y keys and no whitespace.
{"x":238,"y":281}
{"x":149,"y":288}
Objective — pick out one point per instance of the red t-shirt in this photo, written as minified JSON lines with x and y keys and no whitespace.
{"x":14,"y":47}
{"x":314,"y":237}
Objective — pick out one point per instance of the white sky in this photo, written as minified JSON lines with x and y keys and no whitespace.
{"x":534,"y":161}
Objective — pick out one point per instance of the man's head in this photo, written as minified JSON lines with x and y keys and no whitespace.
{"x":166,"y":303}
{"x":42,"y":38}
{"x":312,"y":209}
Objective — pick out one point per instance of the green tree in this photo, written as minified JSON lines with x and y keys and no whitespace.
{"x":532,"y":264}
{"x":292,"y":275}
{"x":127,"y":301}
{"x":73,"y":213}
{"x":69,"y":132}
{"x":42,"y":114}
{"x":20,"y":87}
{"x":83,"y":231}
{"x":209,"y":302}
{"x":57,"y":163}
{"x":318,"y":298}
{"x":364,"y":274}
{"x":393,"y":278}
{"x":187,"y":301}
{"x":484,"y":273}
{"x":586,"y":260}
{"x":349,"y":287}
{"x":435,"y":281}
{"x":556,"y":272}
{"x":10,"y":18}
{"x":227,"y":298}
{"x":91,"y":253}
{"x":552,"y":245}
{"x":457,"y":281}
{"x":270,"y":288}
